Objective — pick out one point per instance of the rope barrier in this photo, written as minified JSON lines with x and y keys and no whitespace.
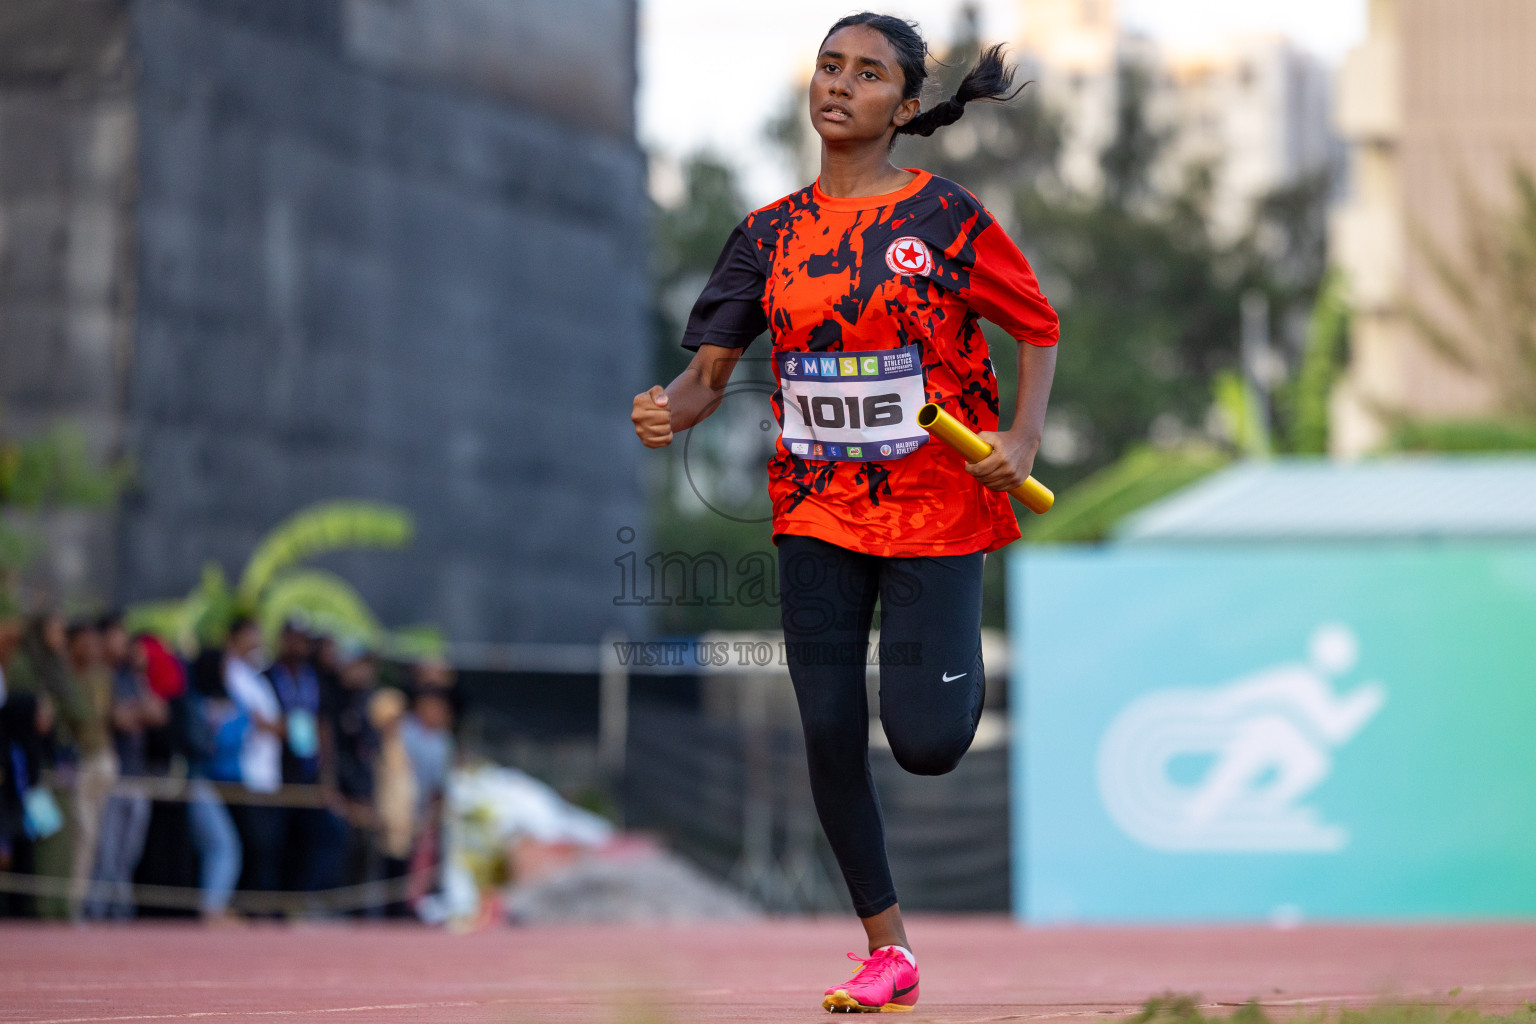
{"x":362,"y":896}
{"x":178,"y":789}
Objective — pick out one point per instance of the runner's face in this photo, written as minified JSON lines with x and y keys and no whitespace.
{"x":856,"y":90}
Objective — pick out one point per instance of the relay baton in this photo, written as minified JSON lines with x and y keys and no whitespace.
{"x":1036,"y":497}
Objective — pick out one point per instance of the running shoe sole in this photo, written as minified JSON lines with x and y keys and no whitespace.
{"x":841,"y":1002}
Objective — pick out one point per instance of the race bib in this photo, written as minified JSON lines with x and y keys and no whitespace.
{"x":852,"y":406}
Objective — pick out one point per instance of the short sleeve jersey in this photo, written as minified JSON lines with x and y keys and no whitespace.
{"x":832,"y":274}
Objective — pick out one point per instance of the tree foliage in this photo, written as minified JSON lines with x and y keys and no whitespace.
{"x":51,"y":470}
{"x":1305,"y":398}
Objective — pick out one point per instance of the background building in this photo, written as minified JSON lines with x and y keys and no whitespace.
{"x":1254,"y":110}
{"x":287,"y":250}
{"x":1075,"y":47}
{"x":1437,"y":100}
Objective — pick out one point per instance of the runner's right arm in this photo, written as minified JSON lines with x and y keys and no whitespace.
{"x":661,"y":412}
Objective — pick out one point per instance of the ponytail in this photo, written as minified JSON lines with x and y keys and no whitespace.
{"x":990,"y":79}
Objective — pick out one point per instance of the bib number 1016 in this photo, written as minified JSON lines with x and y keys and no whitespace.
{"x":873,"y":410}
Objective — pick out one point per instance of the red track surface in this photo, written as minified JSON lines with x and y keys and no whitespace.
{"x":974,"y":969}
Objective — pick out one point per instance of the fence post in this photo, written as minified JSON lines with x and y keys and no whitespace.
{"x":613,"y":714}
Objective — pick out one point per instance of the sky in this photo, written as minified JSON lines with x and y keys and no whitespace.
{"x":712,"y":72}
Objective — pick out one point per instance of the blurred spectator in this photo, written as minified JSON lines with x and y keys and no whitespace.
{"x":316,"y":836}
{"x":215,"y":735}
{"x":427,"y":733}
{"x":433,"y":674}
{"x":261,"y":755}
{"x":356,"y":741}
{"x":96,"y":769}
{"x":395,"y":793}
{"x":40,"y":668}
{"x":28,"y":812}
{"x":326,"y":657}
{"x":437,"y":675}
{"x":10,"y":639}
{"x":427,"y":736}
{"x":136,"y":708}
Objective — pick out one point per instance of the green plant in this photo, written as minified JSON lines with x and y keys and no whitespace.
{"x":1321,"y":364}
{"x":276,"y":586}
{"x":1464,"y":436}
{"x":51,"y":470}
{"x":1186,"y":1008}
{"x":1238,"y":406}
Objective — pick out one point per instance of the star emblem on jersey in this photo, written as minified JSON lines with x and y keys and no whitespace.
{"x":909,"y":255}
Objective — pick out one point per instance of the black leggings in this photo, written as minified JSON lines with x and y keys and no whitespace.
{"x":931,"y":683}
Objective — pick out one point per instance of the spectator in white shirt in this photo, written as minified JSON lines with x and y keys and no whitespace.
{"x":261,"y":826}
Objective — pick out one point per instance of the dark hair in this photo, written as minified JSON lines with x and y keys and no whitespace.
{"x":239,"y":624}
{"x":990,"y":79}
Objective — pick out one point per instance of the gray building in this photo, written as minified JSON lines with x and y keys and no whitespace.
{"x":280,"y":251}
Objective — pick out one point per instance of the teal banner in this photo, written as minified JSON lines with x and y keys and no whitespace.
{"x":1281,"y":733}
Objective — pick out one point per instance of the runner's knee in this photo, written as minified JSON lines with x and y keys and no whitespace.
{"x":931,"y":754}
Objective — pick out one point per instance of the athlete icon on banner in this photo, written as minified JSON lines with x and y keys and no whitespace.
{"x":1266,"y":741}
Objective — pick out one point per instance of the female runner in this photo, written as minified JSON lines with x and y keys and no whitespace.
{"x":871,"y":281}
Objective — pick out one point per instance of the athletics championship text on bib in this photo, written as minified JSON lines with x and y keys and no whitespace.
{"x":852,"y":406}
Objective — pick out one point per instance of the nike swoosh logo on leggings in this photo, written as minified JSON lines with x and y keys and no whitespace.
{"x":949,"y":678}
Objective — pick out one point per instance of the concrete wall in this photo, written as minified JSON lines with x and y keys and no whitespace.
{"x":365,"y":276}
{"x":66,"y":254}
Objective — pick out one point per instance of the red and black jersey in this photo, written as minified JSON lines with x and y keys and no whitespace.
{"x":914,"y":267}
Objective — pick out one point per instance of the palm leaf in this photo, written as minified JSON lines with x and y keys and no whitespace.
{"x":329,"y":526}
{"x":322,"y":600}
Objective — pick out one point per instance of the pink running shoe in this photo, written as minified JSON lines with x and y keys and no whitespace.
{"x":886,"y":983}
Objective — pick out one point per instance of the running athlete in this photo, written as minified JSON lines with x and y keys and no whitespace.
{"x":871,"y":281}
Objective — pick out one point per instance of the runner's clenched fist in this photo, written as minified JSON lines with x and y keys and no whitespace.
{"x":652,"y":419}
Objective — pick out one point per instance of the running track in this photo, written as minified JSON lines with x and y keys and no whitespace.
{"x":975,"y":969}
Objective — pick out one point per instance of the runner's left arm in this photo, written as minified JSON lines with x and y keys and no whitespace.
{"x":1013,"y":450}
{"x":726,"y":318}
{"x":661,"y":412}
{"x":1003,"y":289}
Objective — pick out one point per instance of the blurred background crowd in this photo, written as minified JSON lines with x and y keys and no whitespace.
{"x":282,"y":769}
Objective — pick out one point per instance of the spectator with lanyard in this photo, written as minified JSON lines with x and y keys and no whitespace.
{"x":316,"y":836}
{"x":871,"y":282}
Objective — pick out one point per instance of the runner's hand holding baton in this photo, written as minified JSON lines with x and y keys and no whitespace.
{"x":1036,"y":497}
